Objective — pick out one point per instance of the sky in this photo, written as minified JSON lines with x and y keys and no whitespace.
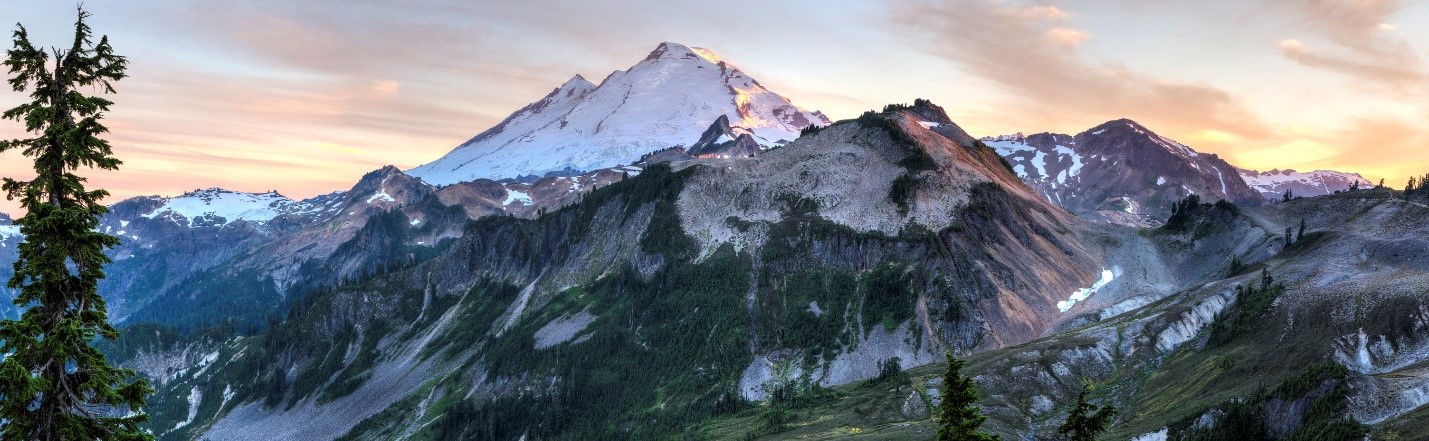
{"x":304,"y":96}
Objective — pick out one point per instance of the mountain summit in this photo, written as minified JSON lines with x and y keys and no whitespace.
{"x":670,"y":98}
{"x":1119,"y":171}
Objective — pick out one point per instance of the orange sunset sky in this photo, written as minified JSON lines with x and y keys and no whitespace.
{"x":305,"y":96}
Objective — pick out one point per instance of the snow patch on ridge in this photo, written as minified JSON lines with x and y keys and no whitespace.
{"x":515,"y":196}
{"x":1084,"y":293}
{"x":1152,"y":436}
{"x":380,"y":195}
{"x":195,"y":398}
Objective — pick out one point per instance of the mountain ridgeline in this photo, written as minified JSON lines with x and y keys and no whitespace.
{"x":790,"y":284}
{"x":678,"y":253}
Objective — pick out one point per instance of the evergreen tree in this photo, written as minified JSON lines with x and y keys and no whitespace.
{"x":53,"y":384}
{"x":1287,"y":196}
{"x":1289,"y":239}
{"x":1301,"y":233}
{"x":1085,"y":421}
{"x":958,"y":413}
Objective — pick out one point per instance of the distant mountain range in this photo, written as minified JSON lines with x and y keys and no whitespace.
{"x":677,"y":104}
{"x":643,"y":258}
{"x":1274,"y":184}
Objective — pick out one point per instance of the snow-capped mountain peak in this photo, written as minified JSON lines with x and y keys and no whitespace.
{"x":669,"y":98}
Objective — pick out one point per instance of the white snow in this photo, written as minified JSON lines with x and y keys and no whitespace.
{"x":668,"y":99}
{"x":1039,"y":160}
{"x":204,"y":362}
{"x":380,"y":195}
{"x":1152,"y":436}
{"x":514,"y":196}
{"x":1076,"y":162}
{"x":1222,"y":177}
{"x":9,"y":231}
{"x":1084,"y":293}
{"x":415,"y":221}
{"x":928,"y":124}
{"x":1015,"y":144}
{"x":228,"y":394}
{"x":195,"y":397}
{"x":213,"y":203}
{"x":1160,"y":180}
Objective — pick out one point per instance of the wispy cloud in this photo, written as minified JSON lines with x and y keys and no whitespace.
{"x":1355,"y":39}
{"x":1030,"y":52}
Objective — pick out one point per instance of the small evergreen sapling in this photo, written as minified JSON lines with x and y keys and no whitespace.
{"x":1086,"y":421}
{"x":958,"y":415}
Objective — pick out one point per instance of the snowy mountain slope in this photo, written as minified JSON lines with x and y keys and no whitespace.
{"x":1273,"y":184}
{"x":670,"y":98}
{"x":1119,"y":171}
{"x":216,"y":206}
{"x":1046,"y":161}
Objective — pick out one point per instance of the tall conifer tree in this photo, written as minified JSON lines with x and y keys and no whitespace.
{"x":54,"y":386}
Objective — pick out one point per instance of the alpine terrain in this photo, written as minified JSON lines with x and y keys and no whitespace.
{"x":679,"y":253}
